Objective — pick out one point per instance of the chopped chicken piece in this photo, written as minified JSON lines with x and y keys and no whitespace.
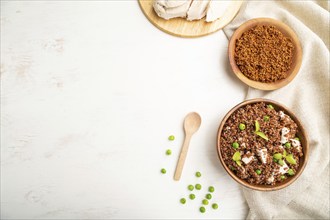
{"x":296,"y":143}
{"x":283,"y":169}
{"x":271,"y":179}
{"x":246,"y":159}
{"x":263,"y":155}
{"x":284,"y":132}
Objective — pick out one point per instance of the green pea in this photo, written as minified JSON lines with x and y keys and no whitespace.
{"x":202,"y":209}
{"x":282,"y":177}
{"x":270,"y":106}
{"x":205,"y":202}
{"x":163,"y":171}
{"x":258,"y":172}
{"x":266,"y":118}
{"x":235,"y":145}
{"x":296,"y":138}
{"x":211,"y":189}
{"x":183,"y":200}
{"x":168,"y":152}
{"x":287,"y":145}
{"x":241,"y":126}
{"x":198,"y":174}
{"x":192,"y":196}
{"x":208,"y":196}
{"x":215,"y":206}
{"x":198,"y":186}
{"x":191,"y":187}
{"x":291,"y":172}
{"x":275,"y":160}
{"x":171,"y":138}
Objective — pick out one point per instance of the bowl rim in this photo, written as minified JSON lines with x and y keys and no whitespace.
{"x":287,"y":31}
{"x":302,"y":131}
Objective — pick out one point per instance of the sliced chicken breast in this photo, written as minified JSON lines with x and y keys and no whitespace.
{"x":216,"y":9}
{"x":171,"y":3}
{"x":168,"y":13}
{"x":197,"y":9}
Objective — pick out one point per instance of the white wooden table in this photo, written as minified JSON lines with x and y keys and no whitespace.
{"x":90,"y":91}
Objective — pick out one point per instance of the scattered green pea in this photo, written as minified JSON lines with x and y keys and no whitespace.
{"x":287,"y":145}
{"x":266,"y":118}
{"x":205,"y":202}
{"x":275,"y":160}
{"x":183,"y":200}
{"x":270,"y":106}
{"x":208,"y":196}
{"x":211,"y":189}
{"x":202,"y":209}
{"x":198,"y":174}
{"x":282,"y":177}
{"x":163,"y":171}
{"x":171,"y":138}
{"x":296,"y":138}
{"x":290,"y":172}
{"x":191,"y":187}
{"x":258,"y":172}
{"x":215,"y":206}
{"x":198,"y":186}
{"x":235,"y":145}
{"x":241,"y":126}
{"x":192,"y":196}
{"x":168,"y":152}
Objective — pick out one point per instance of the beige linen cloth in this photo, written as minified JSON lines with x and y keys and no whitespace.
{"x":308,"y":97}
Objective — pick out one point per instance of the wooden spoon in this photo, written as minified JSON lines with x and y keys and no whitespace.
{"x":191,"y":124}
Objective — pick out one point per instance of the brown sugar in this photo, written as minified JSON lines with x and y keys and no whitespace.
{"x":264,"y":54}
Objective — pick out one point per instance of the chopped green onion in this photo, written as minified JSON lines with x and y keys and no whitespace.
{"x":237,"y":156}
{"x":291,"y":172}
{"x":290,"y":159}
{"x":277,"y":156}
{"x":262,"y":135}
{"x":257,"y":125}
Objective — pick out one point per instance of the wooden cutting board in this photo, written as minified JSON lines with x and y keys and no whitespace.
{"x":182,"y":28}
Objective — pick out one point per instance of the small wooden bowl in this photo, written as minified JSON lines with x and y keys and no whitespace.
{"x":301,"y":134}
{"x":286,"y":31}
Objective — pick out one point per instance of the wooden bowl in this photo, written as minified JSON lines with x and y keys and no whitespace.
{"x":286,"y":31}
{"x":301,"y":134}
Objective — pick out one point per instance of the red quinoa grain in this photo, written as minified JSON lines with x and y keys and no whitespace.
{"x":264,"y":54}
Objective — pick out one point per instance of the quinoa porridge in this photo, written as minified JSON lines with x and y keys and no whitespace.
{"x":260,"y":144}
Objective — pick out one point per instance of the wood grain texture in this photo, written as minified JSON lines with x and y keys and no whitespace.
{"x":182,"y":28}
{"x":302,"y":134}
{"x":286,"y":31}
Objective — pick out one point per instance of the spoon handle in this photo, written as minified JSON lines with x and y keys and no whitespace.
{"x":182,"y":158}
